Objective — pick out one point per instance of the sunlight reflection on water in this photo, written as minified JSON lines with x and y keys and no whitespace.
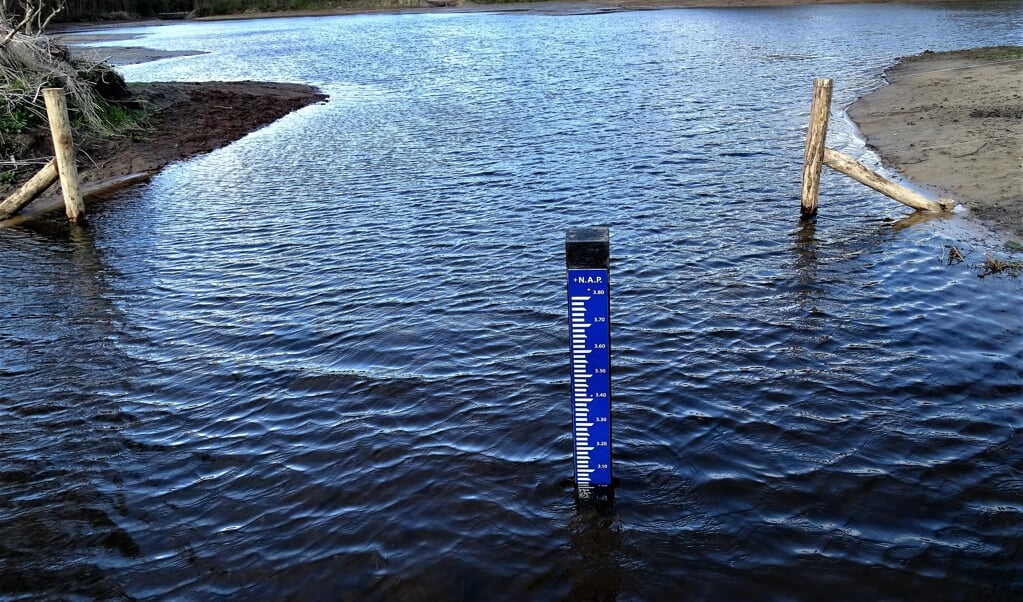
{"x":331,"y":357}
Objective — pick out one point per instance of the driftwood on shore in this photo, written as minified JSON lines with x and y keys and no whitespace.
{"x":28,"y":191}
{"x":851,"y":167}
{"x":63,"y":166}
{"x":48,"y":205}
{"x":41,"y":79}
{"x":817,"y":153}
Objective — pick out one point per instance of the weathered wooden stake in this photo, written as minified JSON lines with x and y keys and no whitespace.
{"x":64,"y":148}
{"x":855,"y":170}
{"x":820,"y":110}
{"x":29,"y":190}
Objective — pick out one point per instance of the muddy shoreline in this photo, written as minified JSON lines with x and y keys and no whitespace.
{"x":187,"y":119}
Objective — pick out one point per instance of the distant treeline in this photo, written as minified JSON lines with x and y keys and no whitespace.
{"x":77,"y":10}
{"x":83,"y":10}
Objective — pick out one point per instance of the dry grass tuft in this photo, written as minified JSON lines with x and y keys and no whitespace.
{"x":996,"y":265}
{"x":31,"y":61}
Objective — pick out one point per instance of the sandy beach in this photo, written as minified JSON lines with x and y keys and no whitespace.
{"x":952,"y":123}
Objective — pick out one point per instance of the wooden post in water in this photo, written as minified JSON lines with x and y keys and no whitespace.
{"x":820,"y":110}
{"x":29,"y":190}
{"x":64,"y":148}
{"x":855,"y":170}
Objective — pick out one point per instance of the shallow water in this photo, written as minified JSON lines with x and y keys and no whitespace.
{"x":331,"y":358}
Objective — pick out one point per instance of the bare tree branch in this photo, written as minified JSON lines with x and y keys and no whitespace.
{"x":32,"y":22}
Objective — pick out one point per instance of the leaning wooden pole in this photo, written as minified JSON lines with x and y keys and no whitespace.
{"x":64,"y":148}
{"x":820,"y":110}
{"x":28,"y":191}
{"x":855,"y":170}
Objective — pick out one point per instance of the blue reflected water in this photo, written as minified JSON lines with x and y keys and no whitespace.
{"x":331,"y":358}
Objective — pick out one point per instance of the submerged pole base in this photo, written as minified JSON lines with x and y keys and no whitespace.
{"x":595,"y":495}
{"x":600,"y":496}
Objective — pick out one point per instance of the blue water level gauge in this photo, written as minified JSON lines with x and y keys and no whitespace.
{"x":589,"y":307}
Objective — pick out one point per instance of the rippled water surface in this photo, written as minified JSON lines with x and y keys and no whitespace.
{"x":330,"y":360}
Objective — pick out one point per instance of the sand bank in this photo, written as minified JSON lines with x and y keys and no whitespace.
{"x":952,"y":122}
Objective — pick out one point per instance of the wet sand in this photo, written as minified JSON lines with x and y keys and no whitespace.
{"x":114,"y":56}
{"x":952,"y":122}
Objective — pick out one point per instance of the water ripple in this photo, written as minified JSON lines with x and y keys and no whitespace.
{"x":330,"y":357}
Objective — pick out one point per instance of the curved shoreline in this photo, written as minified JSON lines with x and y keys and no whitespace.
{"x":188,"y":119}
{"x":950,"y":121}
{"x":953,"y":122}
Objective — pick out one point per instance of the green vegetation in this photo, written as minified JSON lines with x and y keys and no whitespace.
{"x":29,"y":63}
{"x":84,"y":10}
{"x":96,"y":10}
{"x":120,"y":118}
{"x":997,"y":53}
{"x":98,"y":100}
{"x":991,"y":54}
{"x":80,"y":10}
{"x":234,"y":7}
{"x":14,"y":122}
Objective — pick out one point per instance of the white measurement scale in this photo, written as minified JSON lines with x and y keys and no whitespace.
{"x":588,"y":255}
